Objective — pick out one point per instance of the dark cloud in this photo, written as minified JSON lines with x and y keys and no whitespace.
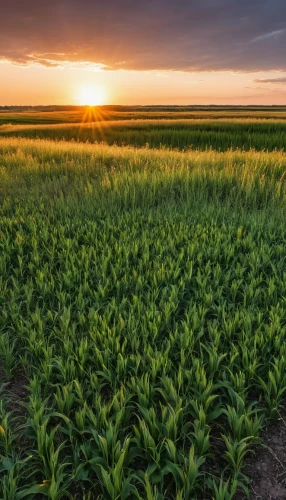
{"x":187,"y":35}
{"x":271,"y":80}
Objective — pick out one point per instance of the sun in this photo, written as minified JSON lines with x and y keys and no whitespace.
{"x":91,"y":95}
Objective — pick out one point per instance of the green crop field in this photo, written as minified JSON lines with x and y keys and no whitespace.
{"x":180,"y":132}
{"x":143,"y":305}
{"x":78,"y":114}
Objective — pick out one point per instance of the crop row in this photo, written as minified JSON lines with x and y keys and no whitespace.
{"x":216,"y":133}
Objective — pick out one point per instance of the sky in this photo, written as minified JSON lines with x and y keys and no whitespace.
{"x":142,"y":52}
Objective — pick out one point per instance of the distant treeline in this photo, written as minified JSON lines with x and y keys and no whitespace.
{"x":144,"y":108}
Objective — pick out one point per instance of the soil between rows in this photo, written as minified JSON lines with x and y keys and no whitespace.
{"x":266,"y":469}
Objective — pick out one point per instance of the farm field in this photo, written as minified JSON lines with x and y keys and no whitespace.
{"x":182,"y":130}
{"x":77,"y":114}
{"x":143,"y":303}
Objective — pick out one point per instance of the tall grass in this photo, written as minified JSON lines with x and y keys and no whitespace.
{"x":143,"y":292}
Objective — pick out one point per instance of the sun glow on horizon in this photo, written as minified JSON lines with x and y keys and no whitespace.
{"x":91,"y":95}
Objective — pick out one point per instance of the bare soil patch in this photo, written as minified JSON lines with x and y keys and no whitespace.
{"x":15,"y":390}
{"x":267,"y":468}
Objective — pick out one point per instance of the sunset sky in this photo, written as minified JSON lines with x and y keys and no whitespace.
{"x":142,"y":52}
